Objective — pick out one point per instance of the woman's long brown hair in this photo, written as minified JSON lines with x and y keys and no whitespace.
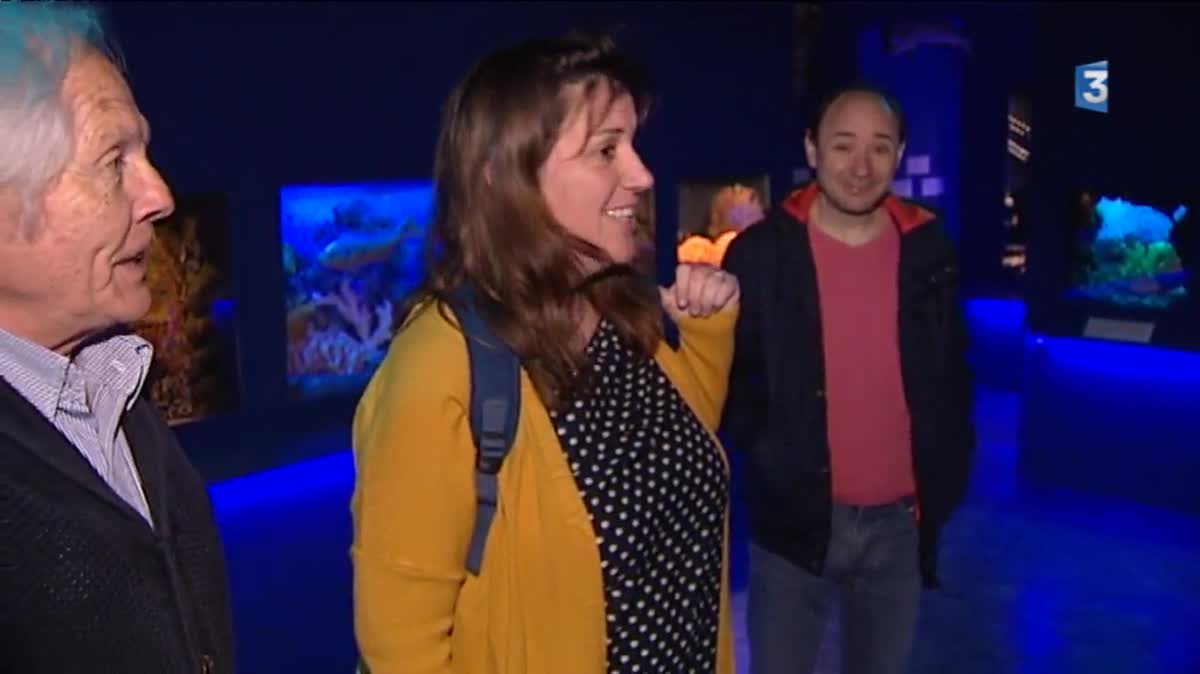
{"x":493,"y":229}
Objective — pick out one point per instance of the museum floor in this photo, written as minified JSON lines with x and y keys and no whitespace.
{"x":1055,"y":583}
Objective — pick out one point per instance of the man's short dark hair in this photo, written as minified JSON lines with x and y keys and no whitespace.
{"x":888,"y":101}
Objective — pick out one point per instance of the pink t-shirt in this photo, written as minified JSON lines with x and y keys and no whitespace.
{"x":869,"y":426}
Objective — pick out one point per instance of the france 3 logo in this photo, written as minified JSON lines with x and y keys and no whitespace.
{"x":1091,"y":86}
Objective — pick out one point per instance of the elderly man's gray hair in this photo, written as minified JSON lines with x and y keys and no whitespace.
{"x":38,"y":43}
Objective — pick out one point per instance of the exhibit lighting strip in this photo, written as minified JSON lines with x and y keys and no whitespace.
{"x":1017,"y":150}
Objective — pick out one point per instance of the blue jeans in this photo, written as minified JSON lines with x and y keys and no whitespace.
{"x":872,"y":564}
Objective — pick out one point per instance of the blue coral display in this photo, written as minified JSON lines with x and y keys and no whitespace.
{"x":351,"y":255}
{"x":1126,"y":254}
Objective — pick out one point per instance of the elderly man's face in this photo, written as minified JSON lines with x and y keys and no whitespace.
{"x":84,"y":270}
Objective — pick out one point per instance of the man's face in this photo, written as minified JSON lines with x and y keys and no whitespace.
{"x":856,"y":153}
{"x":84,"y":268}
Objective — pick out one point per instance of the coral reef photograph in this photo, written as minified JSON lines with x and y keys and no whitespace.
{"x":1124,"y":253}
{"x":352,"y":253}
{"x":191,"y":318}
{"x":712,"y":213}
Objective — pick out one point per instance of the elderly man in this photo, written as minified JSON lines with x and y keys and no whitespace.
{"x":109,"y":556}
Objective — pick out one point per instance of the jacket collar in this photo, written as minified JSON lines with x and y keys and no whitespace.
{"x":26,"y":429}
{"x":907,"y":215}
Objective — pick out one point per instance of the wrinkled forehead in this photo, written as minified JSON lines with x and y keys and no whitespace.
{"x":101,"y":103}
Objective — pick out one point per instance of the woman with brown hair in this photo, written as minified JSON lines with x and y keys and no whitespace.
{"x":607,"y":548}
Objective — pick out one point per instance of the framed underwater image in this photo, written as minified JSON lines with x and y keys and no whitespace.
{"x":1133,"y":266}
{"x":1131,"y":253}
{"x":712,"y":212}
{"x":352,"y":254}
{"x":191,"y":323}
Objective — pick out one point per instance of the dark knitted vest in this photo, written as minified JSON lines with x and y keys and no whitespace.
{"x":85,"y":584}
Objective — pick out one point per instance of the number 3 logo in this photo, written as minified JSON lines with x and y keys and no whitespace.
{"x":1091,"y":86}
{"x":1098,"y":83}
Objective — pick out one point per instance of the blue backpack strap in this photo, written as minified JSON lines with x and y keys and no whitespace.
{"x":494,"y":411}
{"x":670,"y":328}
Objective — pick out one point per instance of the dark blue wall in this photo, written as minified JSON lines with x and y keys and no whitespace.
{"x":956,"y":102}
{"x":1110,"y":418}
{"x":246,"y":97}
{"x":1107,"y":418}
{"x":928,"y":82}
{"x":1144,"y":148}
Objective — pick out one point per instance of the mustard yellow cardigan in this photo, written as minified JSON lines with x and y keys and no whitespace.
{"x":537,"y":606}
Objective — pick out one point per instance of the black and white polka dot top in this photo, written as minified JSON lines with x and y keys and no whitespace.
{"x":655,"y":486}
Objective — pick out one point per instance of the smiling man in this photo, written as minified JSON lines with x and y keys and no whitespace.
{"x":109,"y":555}
{"x":850,"y":396}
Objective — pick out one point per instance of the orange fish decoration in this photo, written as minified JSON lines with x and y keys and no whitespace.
{"x":697,"y":249}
